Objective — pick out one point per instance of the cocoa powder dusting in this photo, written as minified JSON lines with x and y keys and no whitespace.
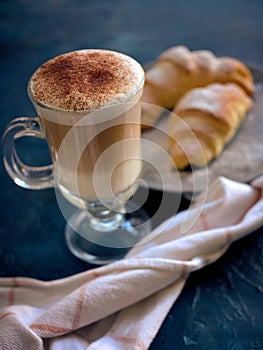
{"x":84,"y":80}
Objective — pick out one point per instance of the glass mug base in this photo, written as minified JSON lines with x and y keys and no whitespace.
{"x":101,"y":248}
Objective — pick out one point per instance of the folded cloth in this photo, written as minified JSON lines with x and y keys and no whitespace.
{"x":122,"y":305}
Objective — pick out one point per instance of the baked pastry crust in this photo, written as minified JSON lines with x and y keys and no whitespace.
{"x":204,"y":121}
{"x":178,"y":70}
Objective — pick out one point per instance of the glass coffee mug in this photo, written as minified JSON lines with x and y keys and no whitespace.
{"x":88,"y":104}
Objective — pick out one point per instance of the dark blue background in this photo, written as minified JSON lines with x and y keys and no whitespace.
{"x":221,"y":305}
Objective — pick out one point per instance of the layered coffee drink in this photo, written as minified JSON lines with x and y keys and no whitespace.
{"x":88,"y":102}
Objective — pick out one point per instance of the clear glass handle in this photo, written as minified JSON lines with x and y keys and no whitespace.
{"x":31,"y":177}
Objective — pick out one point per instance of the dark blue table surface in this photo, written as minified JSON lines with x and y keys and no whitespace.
{"x":221,"y":305}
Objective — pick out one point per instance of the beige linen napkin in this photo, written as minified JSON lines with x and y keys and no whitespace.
{"x":122,"y":305}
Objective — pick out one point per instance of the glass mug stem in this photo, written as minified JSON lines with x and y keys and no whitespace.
{"x":26,"y":176}
{"x":107,"y":220}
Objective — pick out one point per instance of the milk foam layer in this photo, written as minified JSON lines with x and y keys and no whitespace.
{"x":86,"y":80}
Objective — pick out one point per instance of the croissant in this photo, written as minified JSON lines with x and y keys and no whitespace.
{"x":204,"y":121}
{"x":178,"y":70}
